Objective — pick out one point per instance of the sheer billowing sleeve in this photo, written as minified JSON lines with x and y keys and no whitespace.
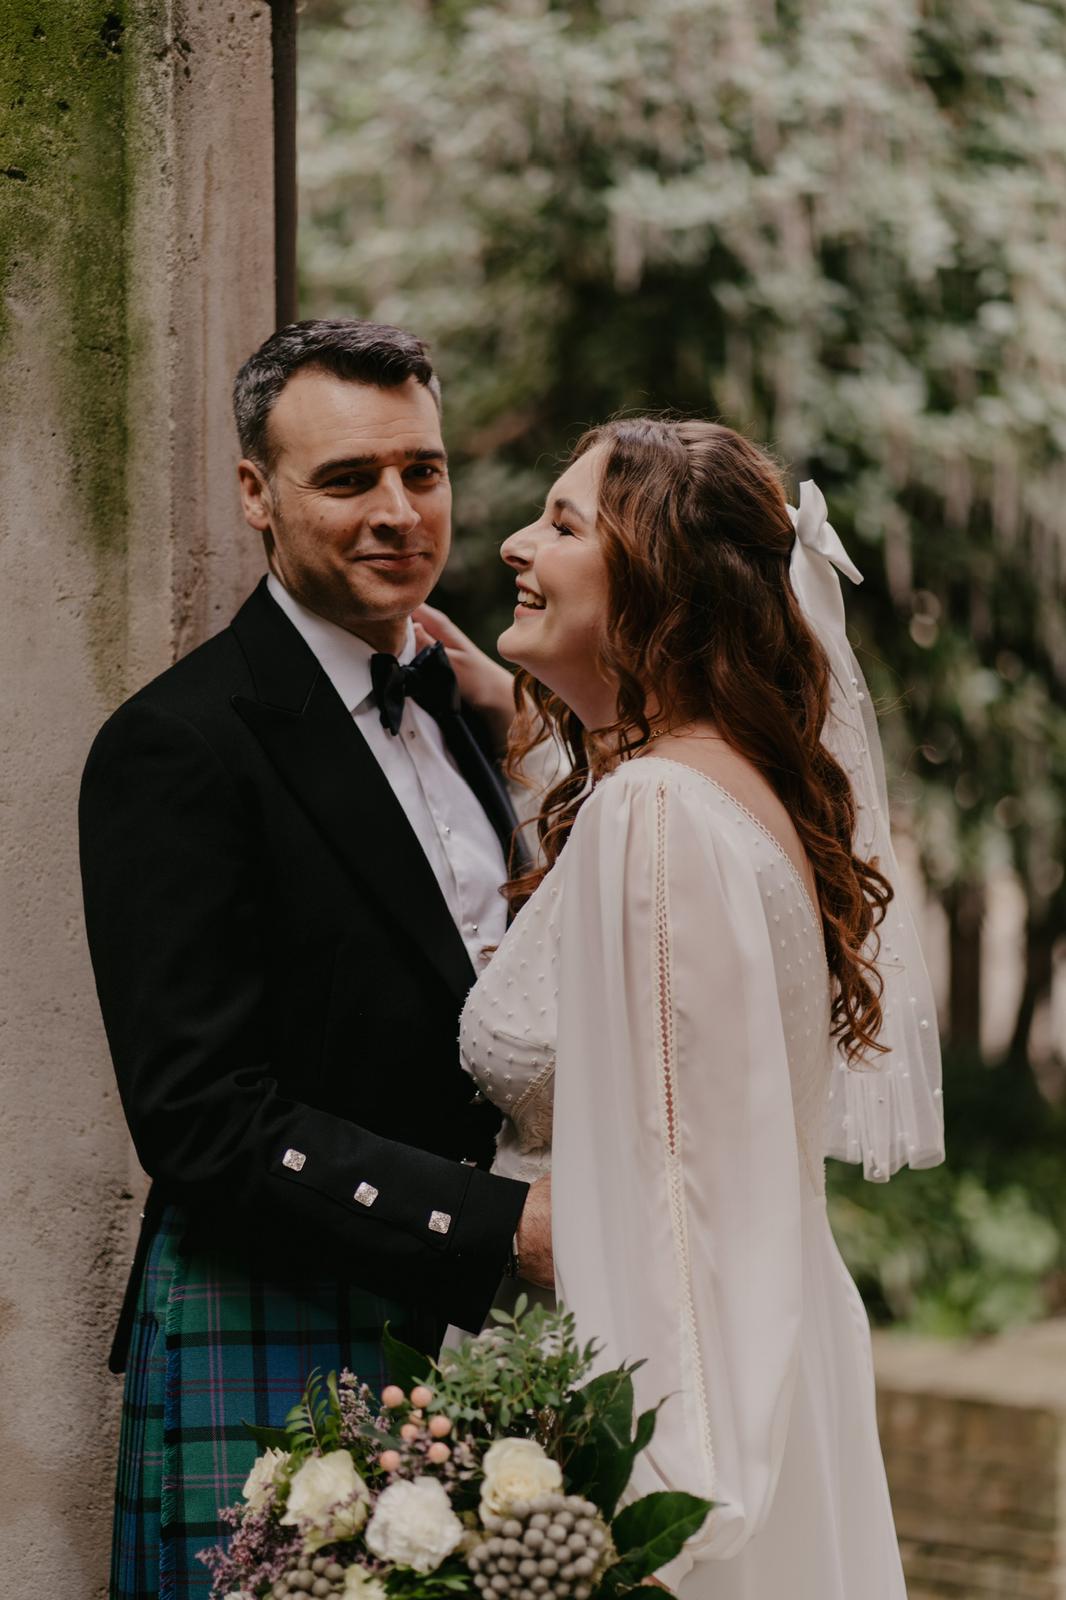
{"x":676,"y":1172}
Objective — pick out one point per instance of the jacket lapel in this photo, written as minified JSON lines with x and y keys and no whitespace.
{"x":309,"y":736}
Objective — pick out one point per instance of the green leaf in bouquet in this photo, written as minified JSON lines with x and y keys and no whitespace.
{"x":618,"y":1583}
{"x":651,"y":1531}
{"x":407,"y":1366}
{"x":299,"y":1426}
{"x":515,"y":1377}
{"x":452,"y":1578}
{"x":601,"y":1421}
{"x":609,"y":1399}
{"x":599,"y":1471}
{"x":315,"y":1423}
{"x":645,"y":1429}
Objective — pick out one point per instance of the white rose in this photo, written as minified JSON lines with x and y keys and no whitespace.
{"x":262,"y":1478}
{"x":328,"y":1499}
{"x":359,"y":1584}
{"x":517,"y":1469}
{"x":414,"y":1525}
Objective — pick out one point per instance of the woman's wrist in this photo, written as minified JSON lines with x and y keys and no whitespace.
{"x":495,"y":704}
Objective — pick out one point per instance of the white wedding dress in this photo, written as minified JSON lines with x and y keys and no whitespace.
{"x":666,"y":988}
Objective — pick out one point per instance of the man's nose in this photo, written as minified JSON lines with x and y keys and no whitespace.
{"x":392,"y":507}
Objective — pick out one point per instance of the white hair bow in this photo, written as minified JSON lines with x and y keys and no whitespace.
{"x":816,"y":550}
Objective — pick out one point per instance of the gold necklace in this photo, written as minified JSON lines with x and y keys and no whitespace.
{"x":659,"y":733}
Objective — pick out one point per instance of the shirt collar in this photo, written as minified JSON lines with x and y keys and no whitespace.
{"x":343,"y":656}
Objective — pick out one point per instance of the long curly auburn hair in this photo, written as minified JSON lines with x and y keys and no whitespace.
{"x":696,"y":536}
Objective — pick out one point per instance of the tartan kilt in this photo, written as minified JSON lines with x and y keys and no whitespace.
{"x":214,"y":1347}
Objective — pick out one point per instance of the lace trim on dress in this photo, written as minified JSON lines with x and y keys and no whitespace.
{"x":531,"y":1113}
{"x":675,"y":1177}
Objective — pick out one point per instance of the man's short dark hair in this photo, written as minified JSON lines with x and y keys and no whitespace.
{"x":362,"y":352}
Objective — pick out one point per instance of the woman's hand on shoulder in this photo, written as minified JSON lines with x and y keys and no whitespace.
{"x":483,"y":683}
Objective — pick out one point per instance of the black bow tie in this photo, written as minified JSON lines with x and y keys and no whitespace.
{"x":429,"y":680}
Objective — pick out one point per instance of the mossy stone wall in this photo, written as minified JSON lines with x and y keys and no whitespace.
{"x":136,"y":272}
{"x":62,"y":214}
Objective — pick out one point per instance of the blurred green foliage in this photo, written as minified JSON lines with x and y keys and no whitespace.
{"x":838,"y":225}
{"x":977,"y":1245}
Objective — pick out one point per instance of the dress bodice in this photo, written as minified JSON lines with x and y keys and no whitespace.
{"x":509,"y":1025}
{"x":507,"y":1033}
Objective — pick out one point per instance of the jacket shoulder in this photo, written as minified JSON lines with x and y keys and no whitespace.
{"x":206,"y":677}
{"x":193,"y":695}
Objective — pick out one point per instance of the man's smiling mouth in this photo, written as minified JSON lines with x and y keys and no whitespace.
{"x":396,"y":558}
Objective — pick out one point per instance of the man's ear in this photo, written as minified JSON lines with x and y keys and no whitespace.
{"x":257,"y":499}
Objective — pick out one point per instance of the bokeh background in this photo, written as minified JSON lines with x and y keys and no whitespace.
{"x":840,"y":226}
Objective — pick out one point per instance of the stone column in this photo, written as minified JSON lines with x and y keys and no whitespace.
{"x":136,"y":272}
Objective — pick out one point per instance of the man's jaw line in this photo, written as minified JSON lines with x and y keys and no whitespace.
{"x":364,"y":621}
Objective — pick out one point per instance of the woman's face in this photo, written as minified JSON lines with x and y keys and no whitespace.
{"x":561,"y":577}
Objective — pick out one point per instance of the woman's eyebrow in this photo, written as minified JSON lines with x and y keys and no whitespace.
{"x":561,"y":503}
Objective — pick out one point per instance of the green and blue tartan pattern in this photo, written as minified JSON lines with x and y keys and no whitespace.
{"x":214,"y":1348}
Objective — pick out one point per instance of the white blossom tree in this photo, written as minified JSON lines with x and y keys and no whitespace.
{"x":837,"y":224}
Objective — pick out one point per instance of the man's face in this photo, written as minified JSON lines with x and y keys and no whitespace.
{"x":357,"y":509}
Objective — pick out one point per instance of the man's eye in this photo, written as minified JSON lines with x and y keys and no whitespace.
{"x":425,"y":471}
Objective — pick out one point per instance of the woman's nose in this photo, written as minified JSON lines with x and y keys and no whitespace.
{"x":519,"y":548}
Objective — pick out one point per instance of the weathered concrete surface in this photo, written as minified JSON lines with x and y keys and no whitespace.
{"x":136,"y":270}
{"x":975,"y":1448}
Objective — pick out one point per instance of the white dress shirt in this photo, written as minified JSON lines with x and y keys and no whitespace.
{"x":458,"y":839}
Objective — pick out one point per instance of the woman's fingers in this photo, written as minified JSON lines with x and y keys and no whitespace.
{"x":438,"y":625}
{"x":483,"y":683}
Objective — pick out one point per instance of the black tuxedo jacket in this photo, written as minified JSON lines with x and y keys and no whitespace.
{"x":281,"y":981}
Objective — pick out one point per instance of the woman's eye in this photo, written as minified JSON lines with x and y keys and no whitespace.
{"x":560,"y":527}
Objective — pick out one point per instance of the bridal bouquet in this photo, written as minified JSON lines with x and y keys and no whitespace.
{"x":493,"y":1473}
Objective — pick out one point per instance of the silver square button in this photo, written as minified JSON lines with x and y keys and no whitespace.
{"x":439,"y":1221}
{"x":294,"y":1159}
{"x":366,"y":1194}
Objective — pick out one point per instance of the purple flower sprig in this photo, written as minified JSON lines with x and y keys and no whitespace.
{"x":257,"y":1552}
